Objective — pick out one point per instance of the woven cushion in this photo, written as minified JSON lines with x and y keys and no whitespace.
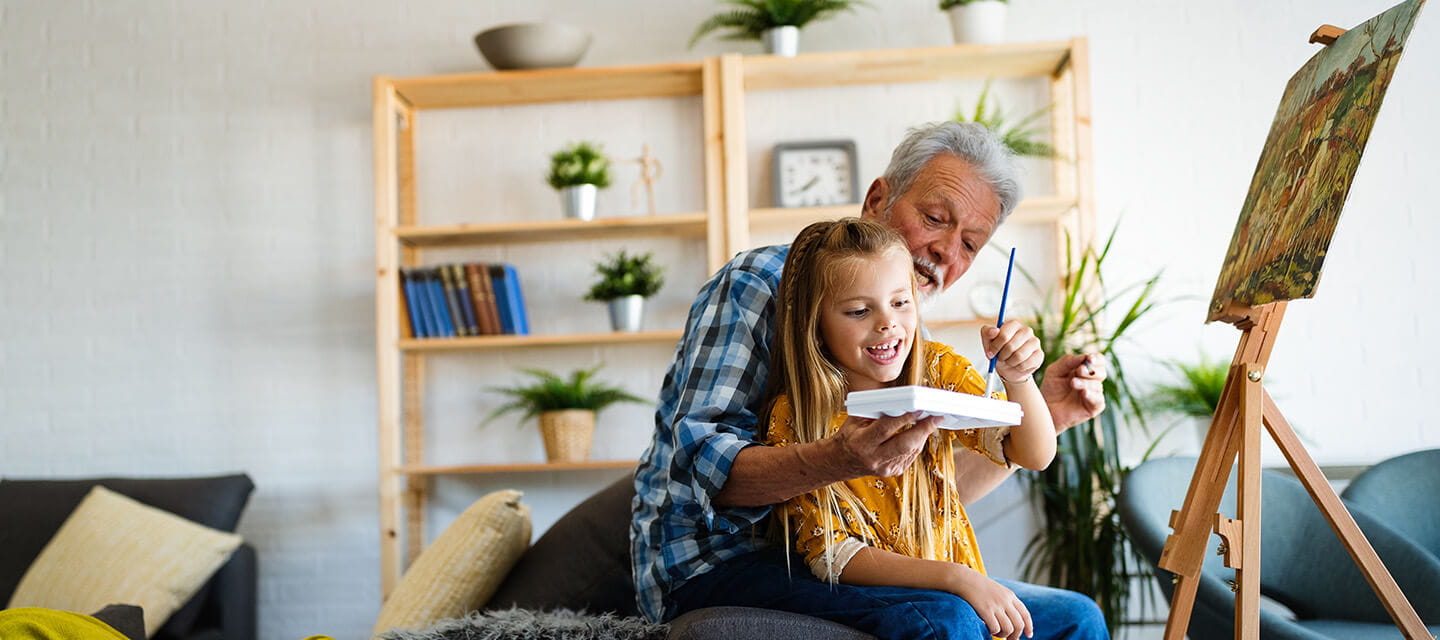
{"x":114,"y":549}
{"x":582,"y":563}
{"x":460,"y":570}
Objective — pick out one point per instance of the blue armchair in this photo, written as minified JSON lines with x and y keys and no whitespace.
{"x":1303,"y":565}
{"x":1404,"y":493}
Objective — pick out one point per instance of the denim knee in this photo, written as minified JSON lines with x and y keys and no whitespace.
{"x":950,"y":617}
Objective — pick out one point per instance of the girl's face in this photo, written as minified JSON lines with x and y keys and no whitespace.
{"x":869,"y":322}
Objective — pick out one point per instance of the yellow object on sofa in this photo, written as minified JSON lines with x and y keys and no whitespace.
{"x":459,"y":572}
{"x":35,"y":623}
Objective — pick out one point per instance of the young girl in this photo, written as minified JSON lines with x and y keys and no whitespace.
{"x":847,"y":321}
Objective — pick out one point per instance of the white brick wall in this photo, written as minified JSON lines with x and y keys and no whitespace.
{"x":185,"y":236}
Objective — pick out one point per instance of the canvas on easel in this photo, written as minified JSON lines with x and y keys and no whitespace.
{"x":1276,"y":255}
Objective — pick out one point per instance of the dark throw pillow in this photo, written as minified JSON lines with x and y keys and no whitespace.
{"x":582,"y":563}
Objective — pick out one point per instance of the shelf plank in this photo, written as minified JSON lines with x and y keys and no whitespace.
{"x":550,"y":85}
{"x":680,"y":224}
{"x":567,"y":340}
{"x":1045,"y":209}
{"x":828,"y":69}
{"x":476,"y":469}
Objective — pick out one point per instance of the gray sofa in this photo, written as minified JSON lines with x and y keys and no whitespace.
{"x":32,"y":510}
{"x":582,"y":563}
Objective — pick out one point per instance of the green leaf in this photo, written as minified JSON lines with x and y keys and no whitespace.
{"x":624,"y":275}
{"x":577,"y":164}
{"x":1018,"y":137}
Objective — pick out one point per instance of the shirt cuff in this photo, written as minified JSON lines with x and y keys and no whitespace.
{"x":839,"y":555}
{"x":715,"y":458}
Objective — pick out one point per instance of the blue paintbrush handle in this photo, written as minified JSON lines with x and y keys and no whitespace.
{"x":1004,"y":298}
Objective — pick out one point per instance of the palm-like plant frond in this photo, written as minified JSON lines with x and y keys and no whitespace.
{"x":1020,"y":137}
{"x":752,"y":18}
{"x":553,"y":393}
{"x":1197,"y":393}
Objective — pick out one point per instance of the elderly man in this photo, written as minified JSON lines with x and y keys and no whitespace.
{"x":705,"y":482}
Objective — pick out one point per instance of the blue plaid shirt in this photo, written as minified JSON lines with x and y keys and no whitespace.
{"x":709,"y":408}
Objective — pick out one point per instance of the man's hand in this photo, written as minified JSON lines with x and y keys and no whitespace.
{"x":884,"y":446}
{"x":1074,"y":388}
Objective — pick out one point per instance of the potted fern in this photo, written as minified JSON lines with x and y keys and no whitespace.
{"x":1019,"y":137}
{"x":775,"y":22}
{"x":566,"y":409}
{"x":578,"y":172}
{"x":976,"y":21}
{"x":1195,"y":395}
{"x":625,"y":282}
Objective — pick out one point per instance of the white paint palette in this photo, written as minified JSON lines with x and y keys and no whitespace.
{"x":956,"y":410}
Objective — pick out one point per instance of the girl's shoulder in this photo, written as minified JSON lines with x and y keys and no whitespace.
{"x":939,"y":354}
{"x":951,"y":371}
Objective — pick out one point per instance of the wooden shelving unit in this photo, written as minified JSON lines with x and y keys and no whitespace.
{"x":726,"y":224}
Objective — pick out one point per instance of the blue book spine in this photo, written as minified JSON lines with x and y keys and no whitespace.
{"x":421,"y":283}
{"x":467,"y":302}
{"x":407,"y":288}
{"x":516,"y":300}
{"x":438,"y":305}
{"x":502,"y":298}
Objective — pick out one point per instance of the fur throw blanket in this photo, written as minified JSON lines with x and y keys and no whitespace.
{"x":524,"y":624}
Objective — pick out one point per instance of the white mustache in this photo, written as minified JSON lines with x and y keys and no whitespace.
{"x":934,"y":269}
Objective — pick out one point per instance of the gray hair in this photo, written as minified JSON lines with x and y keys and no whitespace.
{"x":968,"y":141}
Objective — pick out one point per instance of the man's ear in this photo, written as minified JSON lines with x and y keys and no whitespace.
{"x":875,"y":199}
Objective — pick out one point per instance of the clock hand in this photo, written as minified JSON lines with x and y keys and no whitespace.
{"x":809,"y":184}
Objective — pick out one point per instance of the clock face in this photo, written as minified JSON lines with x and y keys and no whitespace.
{"x":814,"y":176}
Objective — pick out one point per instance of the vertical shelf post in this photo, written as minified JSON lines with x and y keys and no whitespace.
{"x":388,"y":110}
{"x":737,"y":182}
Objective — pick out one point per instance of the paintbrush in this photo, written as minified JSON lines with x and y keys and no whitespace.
{"x":991,"y":385}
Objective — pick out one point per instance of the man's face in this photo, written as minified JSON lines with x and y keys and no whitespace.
{"x":946,"y":216}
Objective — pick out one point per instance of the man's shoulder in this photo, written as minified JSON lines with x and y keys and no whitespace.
{"x":766,"y":262}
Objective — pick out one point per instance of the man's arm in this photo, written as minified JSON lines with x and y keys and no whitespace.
{"x":763,"y":475}
{"x":1074,"y":393}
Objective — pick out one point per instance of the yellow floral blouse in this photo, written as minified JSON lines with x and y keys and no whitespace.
{"x":880,"y":497}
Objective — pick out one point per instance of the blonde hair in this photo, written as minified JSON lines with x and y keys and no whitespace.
{"x":822,"y":258}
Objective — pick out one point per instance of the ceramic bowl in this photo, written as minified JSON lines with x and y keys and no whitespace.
{"x":532,"y":45}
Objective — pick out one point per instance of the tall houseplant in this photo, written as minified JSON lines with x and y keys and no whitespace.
{"x":1080,"y":544}
{"x":566,"y":409}
{"x":776,"y":22}
{"x":578,"y":172}
{"x":625,"y":282}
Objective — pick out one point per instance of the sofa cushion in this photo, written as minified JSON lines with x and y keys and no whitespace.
{"x":582,"y":563}
{"x":458,"y":572}
{"x":729,"y":623}
{"x":115,"y":549}
{"x":31,"y":511}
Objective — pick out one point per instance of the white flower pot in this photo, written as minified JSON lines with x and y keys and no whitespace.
{"x":579,"y":201}
{"x":627,"y":313}
{"x":782,"y":41}
{"x":979,"y":22}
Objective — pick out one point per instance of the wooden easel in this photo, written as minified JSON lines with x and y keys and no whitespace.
{"x":1235,"y":429}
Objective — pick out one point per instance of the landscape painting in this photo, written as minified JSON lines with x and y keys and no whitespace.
{"x":1307,"y":166}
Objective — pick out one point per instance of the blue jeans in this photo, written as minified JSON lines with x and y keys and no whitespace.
{"x":759,"y":579}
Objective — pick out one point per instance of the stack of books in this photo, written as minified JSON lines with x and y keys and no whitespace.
{"x":461,"y":300}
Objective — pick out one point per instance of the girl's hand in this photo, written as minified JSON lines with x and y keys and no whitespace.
{"x":1018,"y":348}
{"x":998,"y":607}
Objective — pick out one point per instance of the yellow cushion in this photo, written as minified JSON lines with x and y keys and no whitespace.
{"x":114,"y":549}
{"x":459,"y":572}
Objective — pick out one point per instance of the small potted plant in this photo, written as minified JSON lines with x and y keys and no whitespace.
{"x":1018,"y":137}
{"x":775,"y":22}
{"x":1195,"y":395}
{"x":976,"y":21}
{"x":566,"y":409}
{"x":578,"y":172}
{"x":625,"y":282}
